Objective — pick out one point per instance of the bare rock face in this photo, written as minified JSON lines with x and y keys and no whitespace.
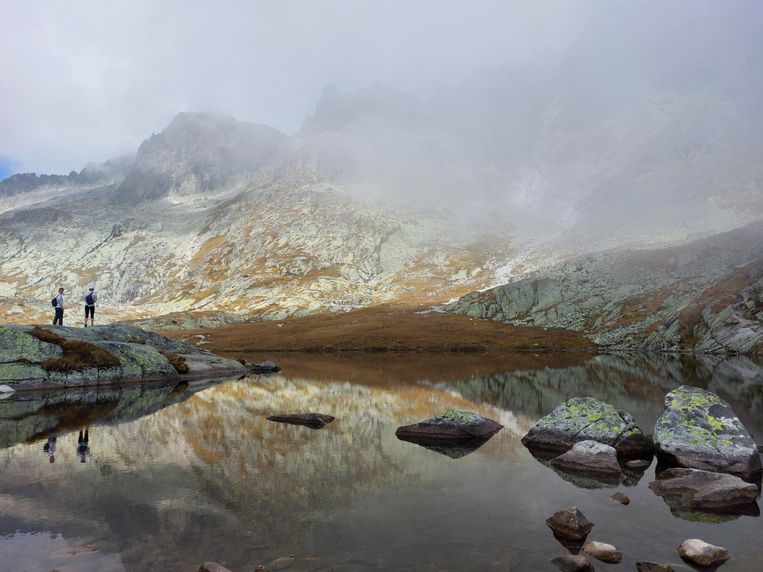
{"x":698,"y":429}
{"x":646,"y":566}
{"x":603,"y":551}
{"x":588,"y":419}
{"x":704,"y":490}
{"x":701,"y":553}
{"x":589,"y":457}
{"x":569,"y":523}
{"x":312,"y":420}
{"x":573,"y":563}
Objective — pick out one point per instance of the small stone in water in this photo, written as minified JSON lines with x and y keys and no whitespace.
{"x":569,"y":523}
{"x":700,"y":552}
{"x":569,"y":563}
{"x":604,"y":552}
{"x":646,"y":566}
{"x":212,"y":567}
{"x":638,"y":464}
{"x":621,"y":498}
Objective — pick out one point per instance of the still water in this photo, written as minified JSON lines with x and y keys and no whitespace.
{"x":165,"y":478}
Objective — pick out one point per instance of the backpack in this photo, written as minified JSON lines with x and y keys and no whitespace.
{"x":54,"y":303}
{"x":89,"y":299}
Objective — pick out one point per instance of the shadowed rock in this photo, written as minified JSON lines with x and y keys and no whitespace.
{"x":262,"y":367}
{"x":703,"y":490}
{"x":311,"y":420}
{"x":584,"y":419}
{"x":646,"y":566}
{"x":701,"y":553}
{"x":698,"y":429}
{"x":569,"y":523}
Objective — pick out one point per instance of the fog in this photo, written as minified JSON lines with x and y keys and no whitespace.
{"x":568,"y":113}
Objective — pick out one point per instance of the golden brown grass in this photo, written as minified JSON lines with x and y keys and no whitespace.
{"x":384,"y":328}
{"x":77,"y":354}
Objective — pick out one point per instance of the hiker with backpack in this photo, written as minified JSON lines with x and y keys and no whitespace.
{"x":58,"y":304}
{"x":90,"y":299}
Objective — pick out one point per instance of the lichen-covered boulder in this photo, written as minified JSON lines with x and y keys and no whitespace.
{"x":703,"y":490}
{"x":698,"y":429}
{"x":451,"y":426}
{"x":17,"y":346}
{"x":588,"y":419}
{"x":589,"y":457}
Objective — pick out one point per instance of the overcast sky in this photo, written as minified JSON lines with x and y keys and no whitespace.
{"x":87,"y":80}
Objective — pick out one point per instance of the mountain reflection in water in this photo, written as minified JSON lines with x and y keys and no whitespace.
{"x":175,"y":476}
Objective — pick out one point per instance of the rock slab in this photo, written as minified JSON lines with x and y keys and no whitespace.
{"x":701,"y":553}
{"x":589,"y":457}
{"x":603,"y":551}
{"x":588,"y":419}
{"x":699,"y":430}
{"x":704,"y":490}
{"x":312,"y":420}
{"x":451,"y":426}
{"x":569,"y":523}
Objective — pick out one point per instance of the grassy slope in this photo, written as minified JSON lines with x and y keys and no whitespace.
{"x":383,"y":328}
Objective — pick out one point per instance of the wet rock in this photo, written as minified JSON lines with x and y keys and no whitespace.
{"x":261,"y":568}
{"x":261,"y":367}
{"x":453,"y":426}
{"x":638,"y":464}
{"x":569,"y":523}
{"x":583,"y":419}
{"x":704,"y":490}
{"x":701,"y":553}
{"x":589,"y":457}
{"x":311,"y":420}
{"x":572,"y":563}
{"x":213,"y":567}
{"x":646,"y":566}
{"x":603,"y":551}
{"x":621,"y":498}
{"x":698,"y":429}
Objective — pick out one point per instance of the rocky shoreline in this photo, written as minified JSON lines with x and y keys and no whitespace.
{"x":40,"y":357}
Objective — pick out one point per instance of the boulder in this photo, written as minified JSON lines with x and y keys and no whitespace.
{"x":451,"y":426}
{"x":638,"y":464}
{"x":588,"y":419}
{"x":701,"y":553}
{"x":698,"y":429}
{"x":703,"y":490}
{"x":569,"y":523}
{"x":621,"y":498}
{"x":603,"y":551}
{"x":573,"y":563}
{"x":646,"y":566}
{"x":589,"y":457}
{"x":311,"y":420}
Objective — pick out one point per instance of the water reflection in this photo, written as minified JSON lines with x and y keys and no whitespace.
{"x":176,"y":476}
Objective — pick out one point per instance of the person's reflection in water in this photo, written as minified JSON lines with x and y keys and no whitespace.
{"x":83,"y":448}
{"x":50,"y":449}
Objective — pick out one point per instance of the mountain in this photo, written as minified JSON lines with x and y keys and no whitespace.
{"x":705,"y":295}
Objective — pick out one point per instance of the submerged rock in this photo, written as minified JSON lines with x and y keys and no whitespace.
{"x":589,"y":457}
{"x":698,"y":429}
{"x":312,"y":420}
{"x":213,"y":567}
{"x":703,"y":490}
{"x":701,"y":553}
{"x":584,"y":419}
{"x":621,"y":498}
{"x":638,"y":464}
{"x":603,"y":551}
{"x":452,"y":426}
{"x":646,"y":566}
{"x":572,"y":563}
{"x":569,"y":523}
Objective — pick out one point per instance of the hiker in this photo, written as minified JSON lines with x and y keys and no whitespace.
{"x":58,"y":303}
{"x":90,"y":299}
{"x":83,"y":446}
{"x":50,"y":449}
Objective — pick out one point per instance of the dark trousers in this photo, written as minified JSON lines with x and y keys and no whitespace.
{"x":59,"y":319}
{"x":89,"y":311}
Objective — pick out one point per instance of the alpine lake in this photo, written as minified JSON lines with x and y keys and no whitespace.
{"x":167,"y":477}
